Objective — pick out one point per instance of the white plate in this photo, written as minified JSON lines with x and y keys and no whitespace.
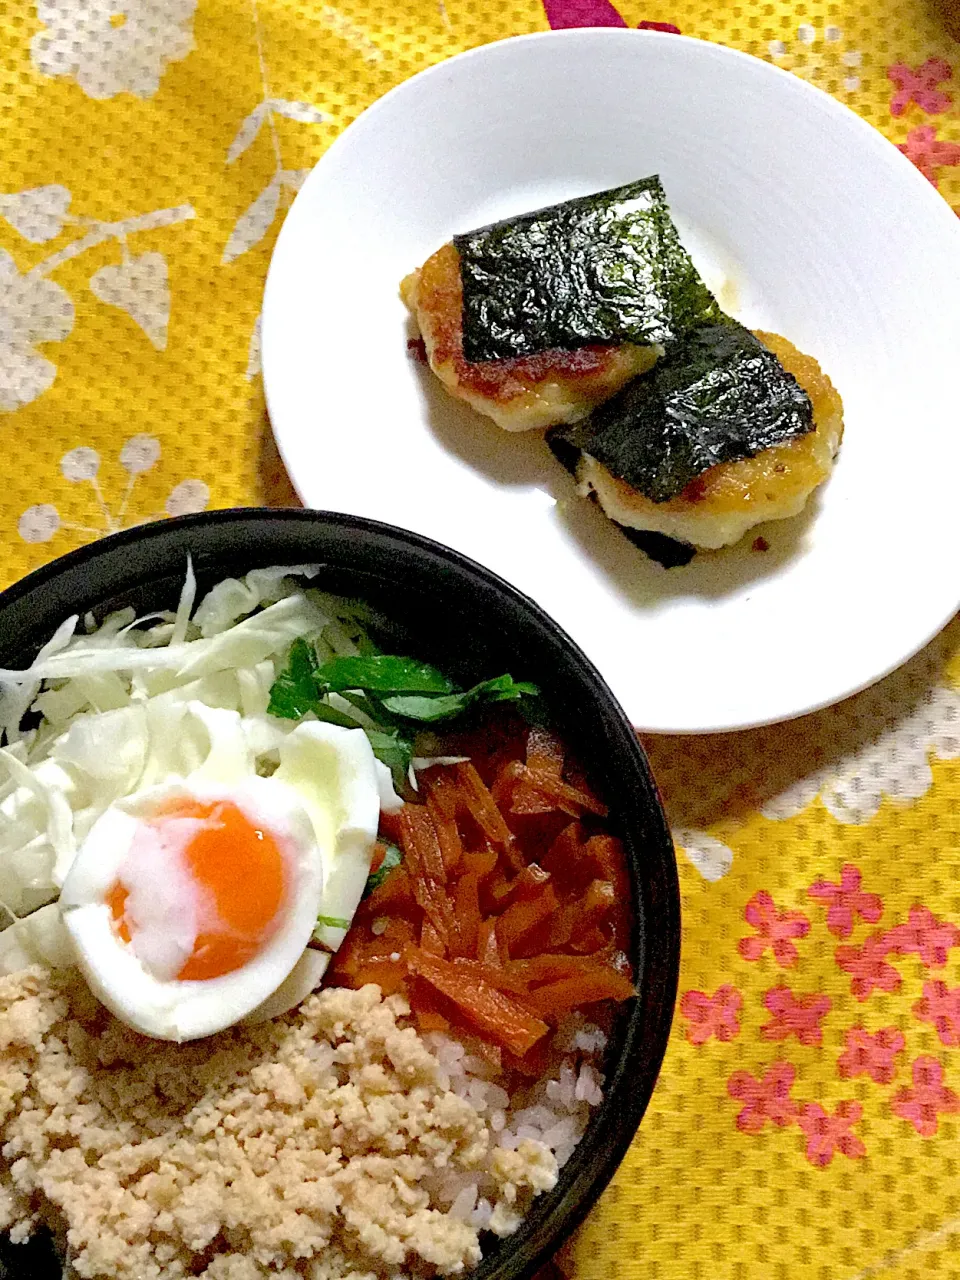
{"x":830,"y":237}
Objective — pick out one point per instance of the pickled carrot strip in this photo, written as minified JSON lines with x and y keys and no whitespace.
{"x":428,"y":875}
{"x":488,"y":952}
{"x":546,"y":749}
{"x":589,"y":943}
{"x":597,"y":903}
{"x":448,"y":837}
{"x":389,"y":975}
{"x":528,"y":883}
{"x":482,"y":863}
{"x":506,"y":937}
{"x":524,"y":914}
{"x":467,"y":905}
{"x":483,"y":1007}
{"x":429,"y":1020}
{"x":547,"y":967}
{"x":430,"y":939}
{"x":480,"y":803}
{"x":562,"y":793}
{"x":527,"y":800}
{"x":564,"y":856}
{"x":606,"y":855}
{"x":389,"y":829}
{"x":592,"y":984}
{"x":443,"y":790}
{"x":506,"y":780}
{"x":421,"y":846}
{"x":498,"y":888}
{"x":379,"y":853}
{"x":394,"y":893}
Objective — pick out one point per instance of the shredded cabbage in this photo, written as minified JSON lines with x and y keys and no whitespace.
{"x":234,"y":598}
{"x":134,"y":701}
{"x":41,"y":938}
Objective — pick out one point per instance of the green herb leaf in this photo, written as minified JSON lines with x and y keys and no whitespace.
{"x":382,"y":673}
{"x":333,"y":922}
{"x":333,"y":715}
{"x":718,"y":396}
{"x":295,"y":691}
{"x":392,"y":858}
{"x":606,"y":268}
{"x":393,"y":750}
{"x":448,"y":706}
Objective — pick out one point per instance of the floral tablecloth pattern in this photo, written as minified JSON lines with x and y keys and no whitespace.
{"x":806,"y":1119}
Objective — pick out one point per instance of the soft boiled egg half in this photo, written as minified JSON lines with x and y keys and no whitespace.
{"x":192,"y":903}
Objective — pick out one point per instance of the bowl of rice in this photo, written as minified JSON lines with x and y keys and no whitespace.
{"x":443,"y":1075}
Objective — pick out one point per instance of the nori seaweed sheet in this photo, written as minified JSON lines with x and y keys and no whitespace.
{"x":671,"y":553}
{"x":719,"y":395}
{"x":606,"y":268}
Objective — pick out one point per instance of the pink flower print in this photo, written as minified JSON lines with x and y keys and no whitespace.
{"x":658,"y":26}
{"x":794,"y":1016}
{"x":827,"y":1134}
{"x":845,"y":901}
{"x":581,"y":13}
{"x":766,"y":1099}
{"x":871,"y":1055}
{"x":920,"y":86}
{"x":867,"y":967}
{"x":941,"y":1006}
{"x":925,"y":936}
{"x":928,"y":153}
{"x":928,"y":1098}
{"x":774,"y":929}
{"x":714,"y":1015}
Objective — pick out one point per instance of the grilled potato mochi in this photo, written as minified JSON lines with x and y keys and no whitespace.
{"x":719,"y":506}
{"x":521,"y":394}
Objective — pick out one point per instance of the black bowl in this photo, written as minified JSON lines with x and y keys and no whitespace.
{"x":473,"y":624}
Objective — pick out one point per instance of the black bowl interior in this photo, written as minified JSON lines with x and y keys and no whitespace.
{"x":473,"y":625}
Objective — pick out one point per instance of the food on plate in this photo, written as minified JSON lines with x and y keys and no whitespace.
{"x":608,"y":267}
{"x":206,"y":814}
{"x":519,"y":393}
{"x":536,"y":319}
{"x":729,"y":430}
{"x":589,"y":317}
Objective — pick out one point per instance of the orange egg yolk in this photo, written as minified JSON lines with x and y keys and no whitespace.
{"x":240,"y":868}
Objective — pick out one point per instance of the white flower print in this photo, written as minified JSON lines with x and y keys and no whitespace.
{"x":112,"y":46}
{"x":255,"y":221}
{"x":32,"y":310}
{"x":877,"y":746}
{"x":254,"y":351}
{"x":188,"y":497}
{"x":39,"y":523}
{"x":37,"y":213}
{"x":82,"y":465}
{"x":139,"y":454}
{"x":139,"y":286}
{"x":711,"y":857}
{"x":35,"y":309}
{"x":820,"y":57}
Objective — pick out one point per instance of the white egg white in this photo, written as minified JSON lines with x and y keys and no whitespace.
{"x":172,"y":1009}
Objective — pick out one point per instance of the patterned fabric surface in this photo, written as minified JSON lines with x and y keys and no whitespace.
{"x":806,"y":1119}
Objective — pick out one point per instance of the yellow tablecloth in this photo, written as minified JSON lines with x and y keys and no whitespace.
{"x":805,"y":1123}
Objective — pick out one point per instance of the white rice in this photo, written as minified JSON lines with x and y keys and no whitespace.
{"x":552,"y":1112}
